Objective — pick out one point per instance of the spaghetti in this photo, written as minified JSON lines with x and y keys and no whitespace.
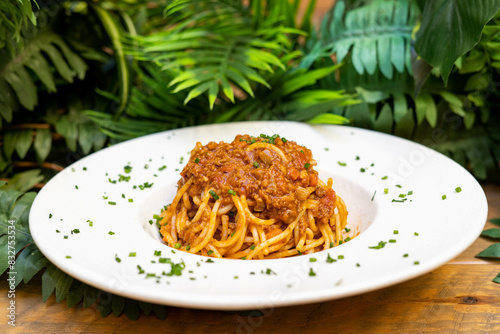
{"x":253,"y":198}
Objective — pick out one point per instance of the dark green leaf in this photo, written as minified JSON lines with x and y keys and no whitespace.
{"x":495,"y":221}
{"x":42,"y":144}
{"x":493,"y":251}
{"x":491,"y":233}
{"x":23,"y":86}
{"x":132,"y":310}
{"x":75,"y":294}
{"x":89,"y":296}
{"x":23,"y":143}
{"x":49,"y":280}
{"x":444,"y":18}
{"x":160,"y":311}
{"x":497,"y":279}
{"x":146,"y":307}
{"x":118,"y":305}
{"x":384,"y":121}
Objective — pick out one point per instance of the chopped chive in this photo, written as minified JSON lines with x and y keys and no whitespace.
{"x":231,"y":192}
{"x":395,"y":232}
{"x":362,"y":170}
{"x":385,"y":177}
{"x":50,"y":215}
{"x":177,"y":246}
{"x":405,"y":255}
{"x":347,"y":239}
{"x":399,"y":186}
{"x":380,"y":245}
{"x":162,"y":168}
{"x":340,"y":257}
{"x":243,"y":258}
{"x":57,"y":231}
{"x":130,"y":200}
{"x":252,"y":247}
{"x":256,"y":164}
{"x":357,"y":157}
{"x":386,"y":190}
{"x":111,"y":232}
{"x":410,"y":192}
{"x":331,"y":244}
{"x":127,"y":169}
{"x":458,"y":189}
{"x":76,"y":187}
{"x":392,"y":241}
{"x":111,"y":203}
{"x":311,"y":272}
{"x":416,"y":263}
{"x":402,"y":195}
{"x":330,"y":259}
{"x":157,"y":253}
{"x":358,"y":265}
{"x":132,"y":254}
{"x":118,"y":259}
{"x":188,"y":247}
{"x":374,"y":195}
{"x":415,"y":234}
{"x":347,"y":229}
{"x":307,"y":165}
{"x":197,"y":160}
{"x":209,"y":261}
{"x":68,"y":257}
{"x":210,"y":252}
{"x":343,"y":164}
{"x":65,"y":237}
{"x":214,"y":195}
{"x":312,"y":259}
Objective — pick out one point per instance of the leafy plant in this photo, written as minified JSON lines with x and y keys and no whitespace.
{"x":493,"y":251}
{"x":21,"y":256}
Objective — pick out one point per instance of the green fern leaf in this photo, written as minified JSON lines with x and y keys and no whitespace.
{"x":376,"y":35}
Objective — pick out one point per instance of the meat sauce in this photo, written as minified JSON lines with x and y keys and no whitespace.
{"x":273,"y":183}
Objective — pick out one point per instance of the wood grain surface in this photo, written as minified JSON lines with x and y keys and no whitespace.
{"x":457,"y":297}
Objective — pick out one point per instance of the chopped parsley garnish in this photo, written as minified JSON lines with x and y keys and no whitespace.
{"x":343,"y":164}
{"x":252,"y":247}
{"x":209,"y":261}
{"x":256,"y":164}
{"x":197,"y":160}
{"x":311,"y":272}
{"x":50,"y":215}
{"x":117,"y":258}
{"x":210,"y":252}
{"x":347,"y":229}
{"x":157,"y":253}
{"x":402,"y":195}
{"x":141,"y":271}
{"x":214,"y":195}
{"x":330,"y":259}
{"x":111,"y":232}
{"x":145,"y":185}
{"x":231,"y":192}
{"x":123,"y":178}
{"x":164,"y":260}
{"x":307,"y":165}
{"x":127,"y":169}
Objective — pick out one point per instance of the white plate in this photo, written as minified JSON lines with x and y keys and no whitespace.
{"x":77,"y":195}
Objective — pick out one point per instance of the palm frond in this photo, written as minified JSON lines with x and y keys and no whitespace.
{"x":216,"y":46}
{"x":45,"y":55}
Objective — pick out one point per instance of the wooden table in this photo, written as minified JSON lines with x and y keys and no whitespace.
{"x":457,"y":297}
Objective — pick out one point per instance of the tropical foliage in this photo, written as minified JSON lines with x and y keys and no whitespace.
{"x":78,"y":75}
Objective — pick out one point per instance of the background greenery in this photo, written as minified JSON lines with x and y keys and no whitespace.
{"x":78,"y":75}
